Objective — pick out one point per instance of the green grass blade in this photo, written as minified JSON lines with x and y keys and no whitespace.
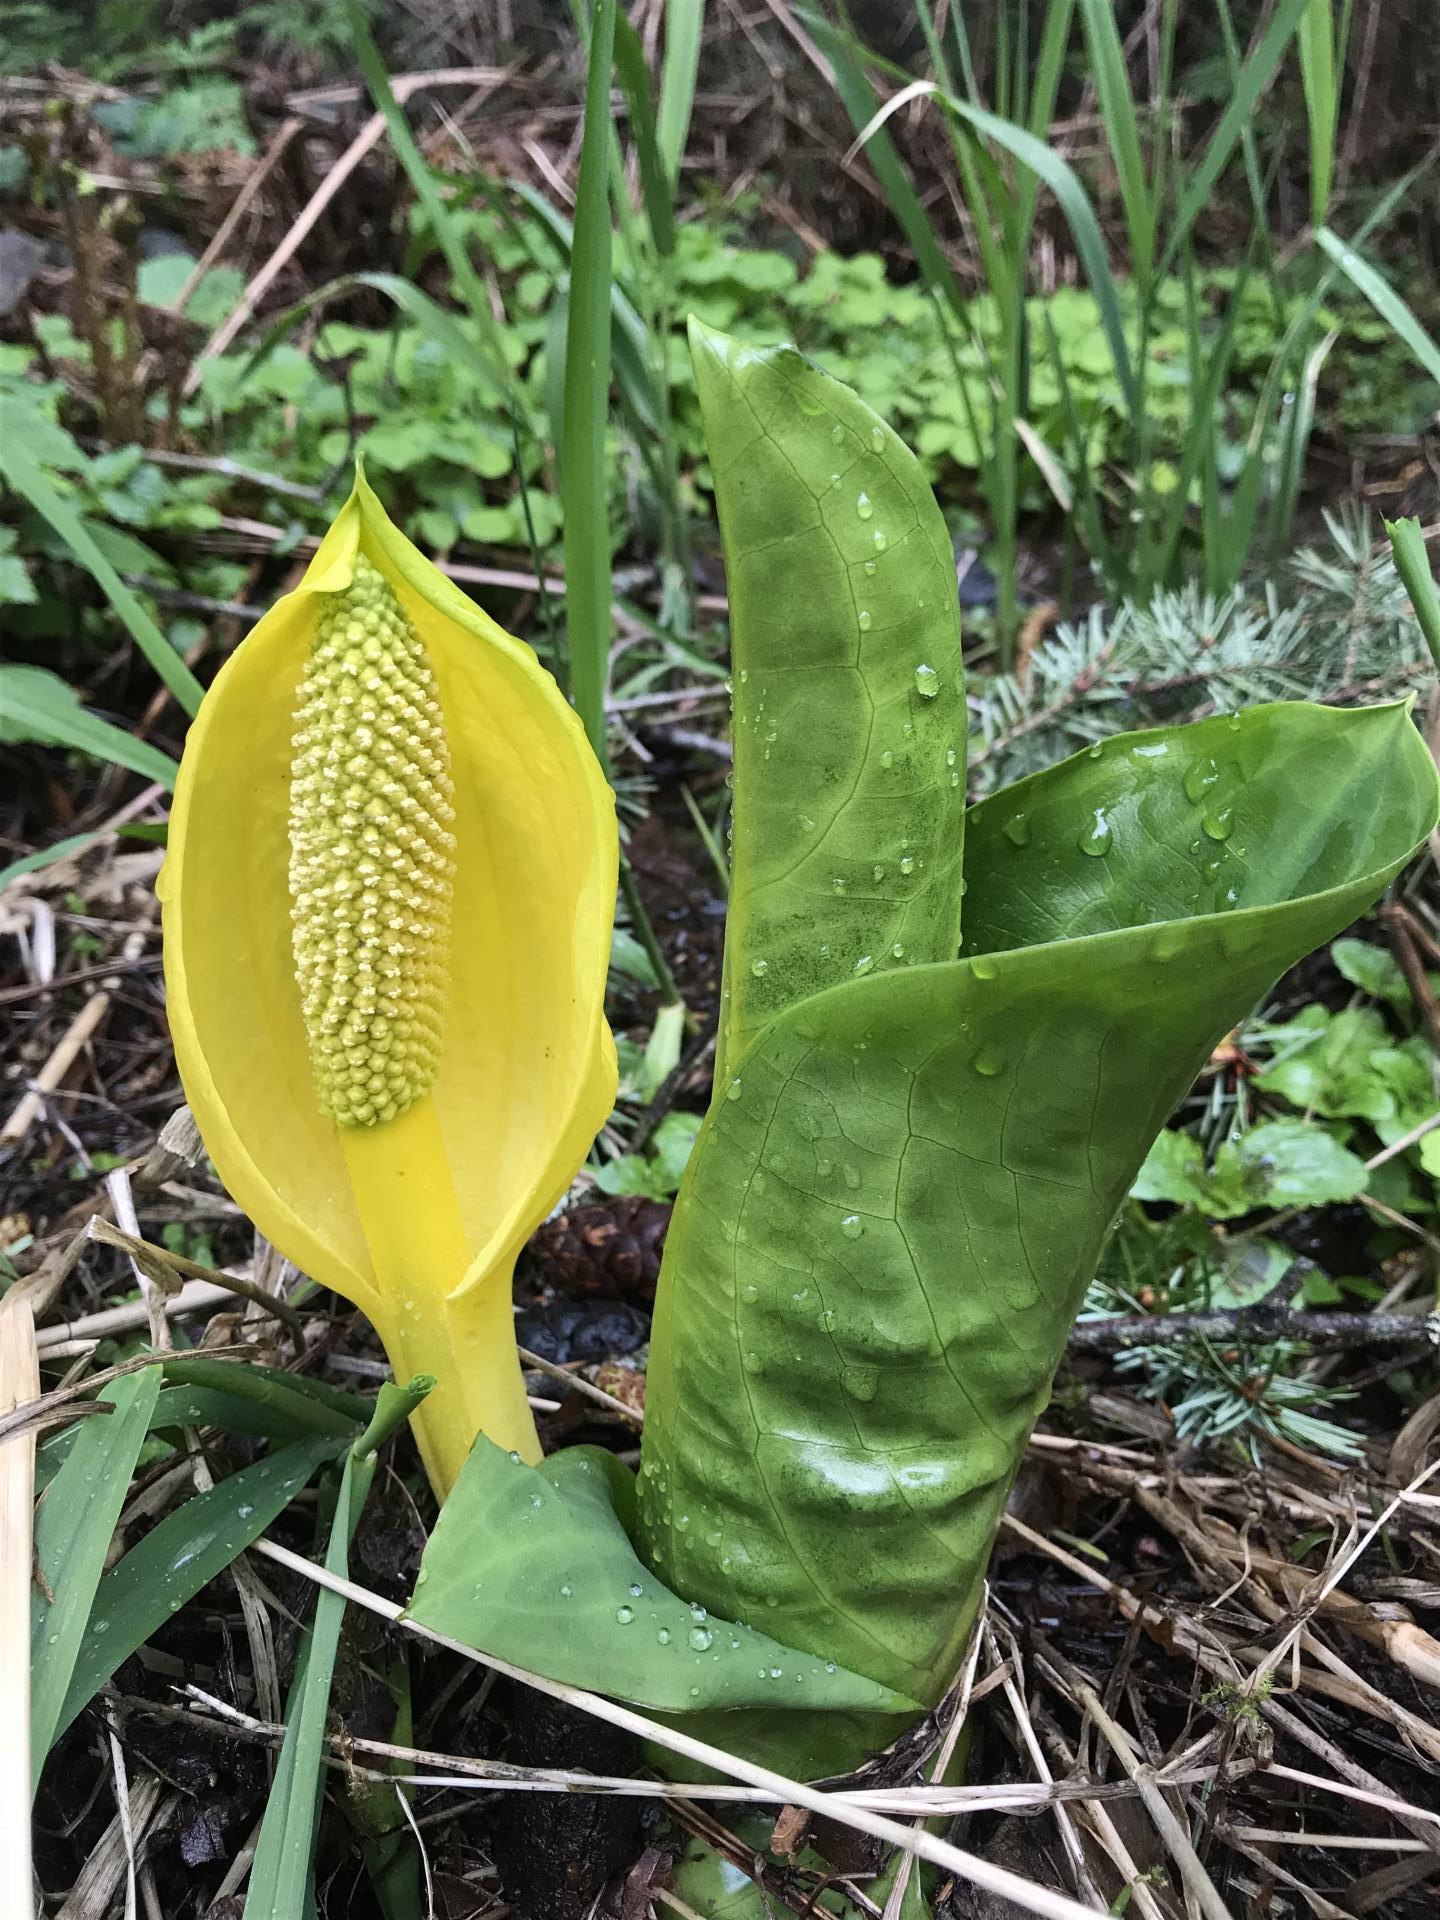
{"x":73,"y":1528}
{"x":1412,"y":563}
{"x":280,"y":1878}
{"x":438,"y":323}
{"x":654,"y":181}
{"x":24,"y":473}
{"x":1295,"y":445}
{"x":861,"y":104}
{"x":1316,"y":40}
{"x":60,"y":850}
{"x":1074,"y":202}
{"x":38,"y":705}
{"x":1383,"y":297}
{"x":1254,"y":78}
{"x":187,"y":1550}
{"x":1089,"y":512}
{"x":587,"y":399}
{"x":446,"y":231}
{"x":630,"y":341}
{"x":1122,"y":129}
{"x":684,"y":25}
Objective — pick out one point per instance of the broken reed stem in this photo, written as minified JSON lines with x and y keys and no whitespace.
{"x":19,"y":1382}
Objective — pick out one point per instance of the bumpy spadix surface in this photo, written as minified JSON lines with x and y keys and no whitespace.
{"x":372,"y":855}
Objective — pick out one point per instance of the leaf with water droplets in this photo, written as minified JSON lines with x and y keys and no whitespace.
{"x":837,"y":590}
{"x":989,"y":1115}
{"x":619,"y":1629}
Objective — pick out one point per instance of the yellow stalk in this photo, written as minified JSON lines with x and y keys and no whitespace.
{"x":401,"y":1178}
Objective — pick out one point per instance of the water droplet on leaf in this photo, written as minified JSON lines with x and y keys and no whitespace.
{"x":1097,"y":839}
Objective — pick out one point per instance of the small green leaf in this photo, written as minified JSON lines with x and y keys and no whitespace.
{"x":1375,"y":971}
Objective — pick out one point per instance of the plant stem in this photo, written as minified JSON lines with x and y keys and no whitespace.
{"x":645,"y":934}
{"x":421,"y":1251}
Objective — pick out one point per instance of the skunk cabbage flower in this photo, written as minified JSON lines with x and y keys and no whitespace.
{"x":387,"y":901}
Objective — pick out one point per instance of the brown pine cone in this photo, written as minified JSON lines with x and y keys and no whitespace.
{"x":610,"y":1247}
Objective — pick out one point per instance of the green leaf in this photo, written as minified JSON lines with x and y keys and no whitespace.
{"x":1412,"y":563}
{"x":1254,"y":77}
{"x":74,"y":1525}
{"x":1117,"y":106}
{"x":849,"y":703}
{"x":1316,"y":39}
{"x":898,"y":1197}
{"x":1383,"y":297}
{"x":448,"y":330}
{"x":1347,"y":1066}
{"x":654,"y":180}
{"x":36,"y":704}
{"x":684,"y":22}
{"x":204,"y":1392}
{"x":44,"y":856}
{"x":188,"y":1549}
{"x":21,"y":467}
{"x":1281,"y":1163}
{"x":587,"y":396}
{"x":558,"y":1589}
{"x":445,"y":228}
{"x":1375,"y":971}
{"x":281,"y":1879}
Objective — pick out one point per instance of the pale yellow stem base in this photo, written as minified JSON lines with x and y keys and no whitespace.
{"x":405,"y":1195}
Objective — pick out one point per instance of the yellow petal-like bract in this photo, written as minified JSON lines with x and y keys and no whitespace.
{"x":388,"y":899}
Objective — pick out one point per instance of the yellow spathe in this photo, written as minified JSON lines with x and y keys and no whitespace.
{"x":417,"y":1219}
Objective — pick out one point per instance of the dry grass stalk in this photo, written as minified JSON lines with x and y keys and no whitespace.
{"x":31,"y":1105}
{"x":19,"y":1382}
{"x":969,"y":1867}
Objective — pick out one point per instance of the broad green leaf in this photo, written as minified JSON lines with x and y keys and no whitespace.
{"x":558,"y":1589}
{"x":73,"y":1528}
{"x":36,"y":704}
{"x":899,"y":1196}
{"x":849,"y":706}
{"x":187,"y":1550}
{"x":282,"y":1878}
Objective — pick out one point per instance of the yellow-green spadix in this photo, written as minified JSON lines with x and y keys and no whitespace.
{"x":387,"y":900}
